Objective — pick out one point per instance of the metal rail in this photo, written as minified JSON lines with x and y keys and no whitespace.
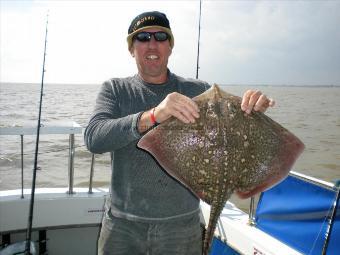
{"x":22,"y":165}
{"x":70,"y":128}
{"x":321,"y":183}
{"x":251,"y":219}
{"x":71,"y":164}
{"x":91,"y":173}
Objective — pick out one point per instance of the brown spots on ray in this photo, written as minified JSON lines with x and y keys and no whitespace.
{"x":225,"y":151}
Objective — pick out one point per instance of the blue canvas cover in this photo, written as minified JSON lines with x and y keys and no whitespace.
{"x":297,"y":213}
{"x":220,"y":248}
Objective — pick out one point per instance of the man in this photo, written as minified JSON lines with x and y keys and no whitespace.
{"x":147,"y":211}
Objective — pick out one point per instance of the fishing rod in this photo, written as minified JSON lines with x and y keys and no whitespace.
{"x":30,"y":215}
{"x":198,"y":41}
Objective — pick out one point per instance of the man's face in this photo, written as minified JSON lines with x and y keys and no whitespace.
{"x":152,"y":58}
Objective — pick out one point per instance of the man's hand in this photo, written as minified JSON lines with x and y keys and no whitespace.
{"x":175,"y":104}
{"x":179,"y":106}
{"x":255,"y":100}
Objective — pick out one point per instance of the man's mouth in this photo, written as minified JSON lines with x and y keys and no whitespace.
{"x":152,"y":57}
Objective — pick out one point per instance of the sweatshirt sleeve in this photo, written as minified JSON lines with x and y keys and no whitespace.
{"x":107,"y":130}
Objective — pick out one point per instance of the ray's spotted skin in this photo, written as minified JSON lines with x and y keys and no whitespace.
{"x":225,"y":151}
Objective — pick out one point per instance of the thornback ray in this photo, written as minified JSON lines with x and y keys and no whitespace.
{"x":224,"y":151}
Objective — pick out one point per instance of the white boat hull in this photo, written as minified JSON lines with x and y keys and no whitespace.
{"x":72,"y":223}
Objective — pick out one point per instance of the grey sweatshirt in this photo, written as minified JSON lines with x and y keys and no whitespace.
{"x":140,"y":189}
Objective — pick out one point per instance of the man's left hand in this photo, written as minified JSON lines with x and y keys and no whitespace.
{"x":255,"y":100}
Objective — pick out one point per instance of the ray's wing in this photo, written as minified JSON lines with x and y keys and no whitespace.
{"x":247,"y":153}
{"x":226,"y":150}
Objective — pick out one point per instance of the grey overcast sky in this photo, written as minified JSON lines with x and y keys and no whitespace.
{"x":242,"y":42}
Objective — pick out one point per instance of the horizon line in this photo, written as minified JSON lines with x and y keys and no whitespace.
{"x":221,"y":84}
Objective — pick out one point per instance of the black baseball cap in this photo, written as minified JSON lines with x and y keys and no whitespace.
{"x":145,"y":20}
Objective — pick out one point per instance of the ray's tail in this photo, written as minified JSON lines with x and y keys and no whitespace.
{"x":209,"y":233}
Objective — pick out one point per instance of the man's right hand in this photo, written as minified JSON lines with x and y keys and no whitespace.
{"x":175,"y":104}
{"x":179,"y":106}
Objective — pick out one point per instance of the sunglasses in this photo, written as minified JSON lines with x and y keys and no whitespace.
{"x":146,"y":36}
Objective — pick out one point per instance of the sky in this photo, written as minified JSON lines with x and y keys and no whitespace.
{"x":242,"y":42}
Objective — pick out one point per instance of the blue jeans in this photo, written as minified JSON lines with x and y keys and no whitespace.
{"x":174,"y":237}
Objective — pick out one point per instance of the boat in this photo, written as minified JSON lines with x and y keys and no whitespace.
{"x":298,"y":216}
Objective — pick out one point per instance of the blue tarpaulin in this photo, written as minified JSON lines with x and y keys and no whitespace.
{"x":297,"y":213}
{"x":220,"y":248}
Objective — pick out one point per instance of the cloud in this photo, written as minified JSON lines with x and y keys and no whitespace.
{"x":86,"y":39}
{"x":21,"y":47}
{"x":271,"y":42}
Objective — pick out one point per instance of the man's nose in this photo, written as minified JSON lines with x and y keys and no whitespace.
{"x":152,"y":43}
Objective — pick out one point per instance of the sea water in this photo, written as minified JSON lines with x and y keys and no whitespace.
{"x":310,"y":112}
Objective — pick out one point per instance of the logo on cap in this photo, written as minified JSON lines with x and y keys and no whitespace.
{"x":141,"y":21}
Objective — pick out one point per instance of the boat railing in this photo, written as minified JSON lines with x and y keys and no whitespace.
{"x":91,"y":173}
{"x":63,"y":128}
{"x":71,"y":128}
